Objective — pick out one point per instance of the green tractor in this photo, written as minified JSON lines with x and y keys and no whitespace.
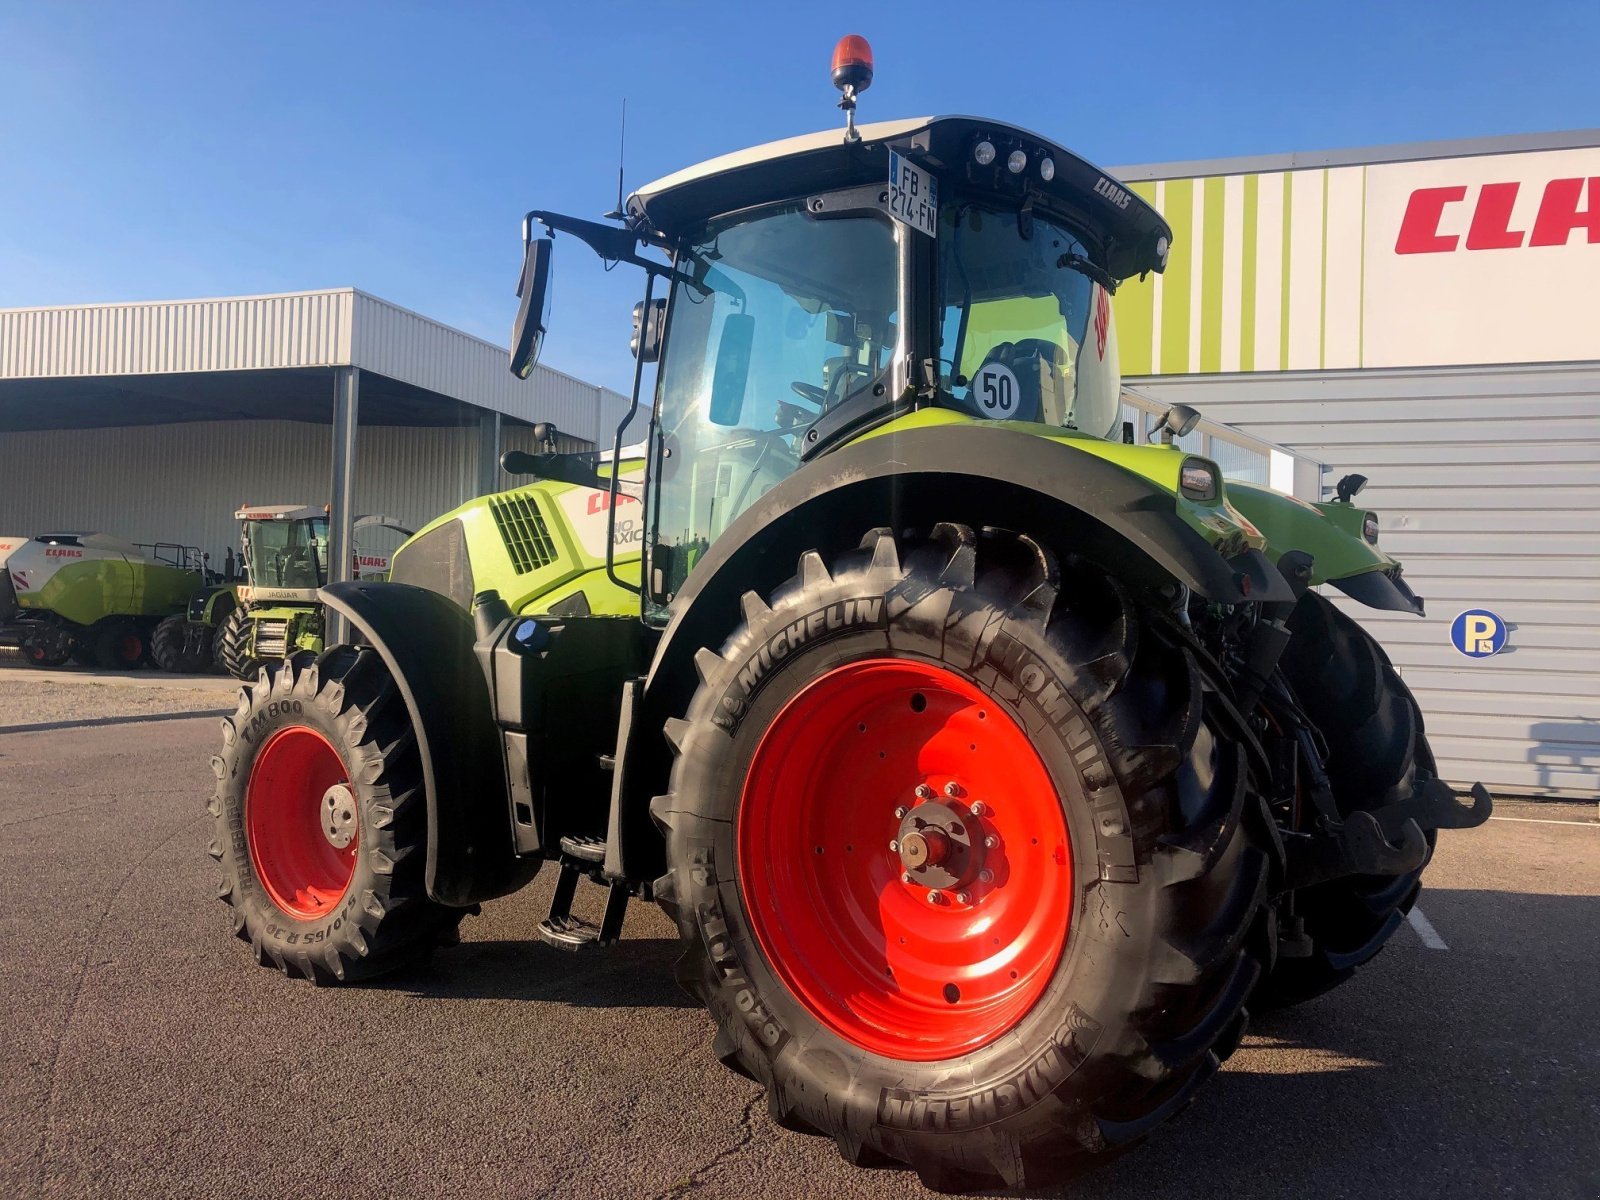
{"x":991,"y":769}
{"x":275,"y":612}
{"x":92,"y":597}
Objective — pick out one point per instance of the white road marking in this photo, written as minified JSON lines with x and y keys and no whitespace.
{"x":1546,"y":821}
{"x":1425,"y":930}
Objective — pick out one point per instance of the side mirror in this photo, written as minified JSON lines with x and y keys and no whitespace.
{"x":646,"y":341}
{"x":533,"y":314}
{"x":733,"y":369}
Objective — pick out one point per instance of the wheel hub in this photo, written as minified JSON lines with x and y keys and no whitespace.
{"x":339,"y":815}
{"x":936,"y":846}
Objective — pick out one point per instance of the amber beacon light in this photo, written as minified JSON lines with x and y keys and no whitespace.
{"x":852,"y":75}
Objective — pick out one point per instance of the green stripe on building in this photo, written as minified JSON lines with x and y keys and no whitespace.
{"x":1247,"y":279}
{"x":1178,"y":208}
{"x":1211,"y":276}
{"x":1135,"y":311}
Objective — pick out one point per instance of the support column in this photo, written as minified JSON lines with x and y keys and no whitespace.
{"x":488,"y":453}
{"x":341,"y":510}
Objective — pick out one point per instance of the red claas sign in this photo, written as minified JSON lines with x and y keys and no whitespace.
{"x":1566,"y":207}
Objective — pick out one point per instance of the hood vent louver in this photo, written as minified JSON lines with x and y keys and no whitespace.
{"x":522,"y":528}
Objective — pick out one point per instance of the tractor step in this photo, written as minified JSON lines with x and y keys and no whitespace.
{"x":581,"y":856}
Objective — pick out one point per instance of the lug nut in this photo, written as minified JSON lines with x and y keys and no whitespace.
{"x":905,"y":876}
{"x":900,"y":812}
{"x":977,"y":808}
{"x":894,"y":846}
{"x":990,"y":842}
{"x":963,"y":898}
{"x":924,"y":792}
{"x":935,"y":897}
{"x":986,"y":876}
{"x":952,"y":789}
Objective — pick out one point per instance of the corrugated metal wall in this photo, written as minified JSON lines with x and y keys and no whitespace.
{"x":184,"y":482}
{"x":1487,"y":482}
{"x":415,"y":349}
{"x":239,"y":333}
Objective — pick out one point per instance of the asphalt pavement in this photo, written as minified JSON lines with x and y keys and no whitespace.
{"x":143,"y":1052}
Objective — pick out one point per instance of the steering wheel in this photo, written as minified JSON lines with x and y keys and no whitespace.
{"x":810,"y":393}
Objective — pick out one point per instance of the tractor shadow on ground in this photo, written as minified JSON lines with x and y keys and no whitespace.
{"x":636,"y":973}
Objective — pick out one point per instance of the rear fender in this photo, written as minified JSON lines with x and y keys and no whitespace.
{"x":1068,"y":500}
{"x":427,"y":643}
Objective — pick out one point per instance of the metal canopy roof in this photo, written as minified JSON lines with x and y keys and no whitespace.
{"x":260,"y":357}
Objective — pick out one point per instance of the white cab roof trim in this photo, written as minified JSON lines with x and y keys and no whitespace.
{"x":876,"y":132}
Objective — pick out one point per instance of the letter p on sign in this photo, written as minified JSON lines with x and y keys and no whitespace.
{"x":1478,"y":633}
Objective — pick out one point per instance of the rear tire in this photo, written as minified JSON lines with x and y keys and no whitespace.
{"x":1154,"y":895}
{"x":325,"y":742}
{"x":1376,"y":754}
{"x":119,"y":645}
{"x":233,"y":646}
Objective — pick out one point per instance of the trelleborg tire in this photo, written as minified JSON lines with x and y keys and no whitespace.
{"x":1079,"y":967}
{"x":1377,"y":753}
{"x":233,"y":646}
{"x":320,"y":821}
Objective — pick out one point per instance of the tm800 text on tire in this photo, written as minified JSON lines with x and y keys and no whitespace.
{"x":320,"y":821}
{"x":967,"y":871}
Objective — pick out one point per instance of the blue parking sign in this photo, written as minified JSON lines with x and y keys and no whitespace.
{"x":1478,"y":633}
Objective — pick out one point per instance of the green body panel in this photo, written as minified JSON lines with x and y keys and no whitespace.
{"x":217,"y":606}
{"x":574,"y":519}
{"x":1242,"y":514}
{"x":1330,"y":533}
{"x":88,"y":591}
{"x":1215,"y":520}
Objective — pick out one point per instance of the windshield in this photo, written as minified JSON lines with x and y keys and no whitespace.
{"x":286,"y":554}
{"x":1023,"y":335}
{"x":775,"y":319}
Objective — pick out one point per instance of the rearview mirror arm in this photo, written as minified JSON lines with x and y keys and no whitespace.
{"x":610,"y":242}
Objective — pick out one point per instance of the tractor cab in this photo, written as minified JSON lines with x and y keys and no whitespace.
{"x":825,"y":285}
{"x":285,"y":551}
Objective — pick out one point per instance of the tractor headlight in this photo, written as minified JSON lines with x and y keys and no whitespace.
{"x":1047,"y":169}
{"x":1016,"y":162}
{"x":1369,"y":527}
{"x":983,"y":153}
{"x":1197,"y":480}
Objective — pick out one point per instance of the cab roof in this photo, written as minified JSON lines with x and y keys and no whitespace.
{"x":1133,"y":235}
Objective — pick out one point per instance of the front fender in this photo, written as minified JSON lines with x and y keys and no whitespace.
{"x":427,"y":643}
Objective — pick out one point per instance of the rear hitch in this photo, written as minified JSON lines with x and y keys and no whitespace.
{"x":1357,"y":846}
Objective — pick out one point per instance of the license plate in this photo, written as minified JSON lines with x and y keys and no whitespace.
{"x":913,"y":196}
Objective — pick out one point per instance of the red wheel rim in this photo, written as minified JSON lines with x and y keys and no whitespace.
{"x":869,"y":954}
{"x":304,"y":872}
{"x":129,"y":647}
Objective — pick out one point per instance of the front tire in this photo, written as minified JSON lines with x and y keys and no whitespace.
{"x":1074,"y":980}
{"x":320,"y":821}
{"x":233,"y":639}
{"x":180,"y":645}
{"x":1377,"y":754}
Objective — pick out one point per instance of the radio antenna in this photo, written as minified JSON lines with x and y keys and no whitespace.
{"x":622,"y":150}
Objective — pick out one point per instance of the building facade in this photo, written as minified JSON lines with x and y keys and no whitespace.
{"x":1427,"y":316}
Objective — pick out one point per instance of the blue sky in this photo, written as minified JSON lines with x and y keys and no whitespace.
{"x":154,"y":151}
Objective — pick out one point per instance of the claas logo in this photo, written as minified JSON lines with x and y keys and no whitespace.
{"x":600,"y":501}
{"x":1564,"y":209}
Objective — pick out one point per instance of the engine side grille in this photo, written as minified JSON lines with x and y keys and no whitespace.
{"x":522,"y":528}
{"x":272,"y":639}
